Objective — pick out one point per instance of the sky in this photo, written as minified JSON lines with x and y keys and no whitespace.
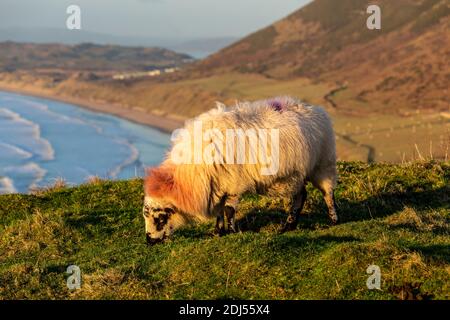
{"x":151,"y":18}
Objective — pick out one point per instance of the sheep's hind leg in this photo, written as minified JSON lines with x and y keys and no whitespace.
{"x":327,"y":189}
{"x":331,"y":204}
{"x":325,"y":181}
{"x":297,"y":207}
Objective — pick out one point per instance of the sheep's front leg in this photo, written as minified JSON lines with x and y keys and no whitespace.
{"x":230,"y":212}
{"x":218,"y":211}
{"x":297,"y":207}
{"x":220,"y":225}
{"x":231,"y":223}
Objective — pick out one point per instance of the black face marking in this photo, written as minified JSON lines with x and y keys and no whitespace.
{"x":152,"y":241}
{"x":146,"y":210}
{"x":161,"y":221}
{"x":169,"y":211}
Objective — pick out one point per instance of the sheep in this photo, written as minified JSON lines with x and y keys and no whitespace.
{"x":223,"y":153}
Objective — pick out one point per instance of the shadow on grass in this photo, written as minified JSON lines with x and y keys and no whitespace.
{"x":55,"y":268}
{"x":384,"y":205}
{"x":106,"y":220}
{"x":437,"y":252}
{"x":257,"y":219}
{"x":195,"y":232}
{"x":283,"y":248}
{"x":373,"y":207}
{"x":436,"y":230}
{"x":286,"y":241}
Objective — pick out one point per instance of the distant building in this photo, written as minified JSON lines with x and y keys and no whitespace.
{"x":170,"y":70}
{"x":119,"y":77}
{"x":152,"y":73}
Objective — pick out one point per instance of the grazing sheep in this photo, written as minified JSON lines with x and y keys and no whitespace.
{"x":223,"y":153}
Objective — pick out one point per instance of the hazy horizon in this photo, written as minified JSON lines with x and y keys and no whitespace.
{"x":171,"y":19}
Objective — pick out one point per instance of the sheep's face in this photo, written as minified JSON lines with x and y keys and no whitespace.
{"x":160,"y":219}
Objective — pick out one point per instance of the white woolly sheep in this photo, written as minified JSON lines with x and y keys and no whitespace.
{"x":224,"y":153}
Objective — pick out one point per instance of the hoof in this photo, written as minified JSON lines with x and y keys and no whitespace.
{"x":334,"y":222}
{"x":232,"y":230}
{"x":219,"y":232}
{"x":287,"y":227}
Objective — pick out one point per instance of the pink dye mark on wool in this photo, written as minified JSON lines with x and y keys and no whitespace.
{"x":278,"y":104}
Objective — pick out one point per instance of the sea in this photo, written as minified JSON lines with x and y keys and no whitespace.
{"x":43,"y":141}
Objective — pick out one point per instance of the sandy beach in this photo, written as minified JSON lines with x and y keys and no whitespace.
{"x":164,"y":124}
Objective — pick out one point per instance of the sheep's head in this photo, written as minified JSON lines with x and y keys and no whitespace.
{"x":160,"y":219}
{"x":173,"y":199}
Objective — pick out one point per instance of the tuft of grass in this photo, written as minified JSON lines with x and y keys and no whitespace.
{"x":57,"y":184}
{"x":393,"y":216}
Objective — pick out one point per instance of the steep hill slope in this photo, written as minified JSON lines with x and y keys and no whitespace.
{"x":406,"y":63}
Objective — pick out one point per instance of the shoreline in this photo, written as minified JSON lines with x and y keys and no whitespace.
{"x":164,"y":124}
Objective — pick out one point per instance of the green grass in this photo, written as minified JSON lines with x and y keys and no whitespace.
{"x":394,"y":216}
{"x":393,"y":138}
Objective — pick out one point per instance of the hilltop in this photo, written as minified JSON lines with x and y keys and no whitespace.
{"x":403,"y":65}
{"x":393,"y":216}
{"x":85,"y":57}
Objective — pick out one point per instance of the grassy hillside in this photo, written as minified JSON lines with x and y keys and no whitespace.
{"x":394,"y":216}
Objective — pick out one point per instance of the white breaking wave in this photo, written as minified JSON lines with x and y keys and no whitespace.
{"x":63,"y":117}
{"x":134,"y":156}
{"x":30,"y":169}
{"x":6,"y":147}
{"x":60,"y":116}
{"x":7,"y":186}
{"x":33,"y":104}
{"x":47,"y":152}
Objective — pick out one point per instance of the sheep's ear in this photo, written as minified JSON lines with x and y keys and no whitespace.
{"x":159,"y":181}
{"x":220,"y":105}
